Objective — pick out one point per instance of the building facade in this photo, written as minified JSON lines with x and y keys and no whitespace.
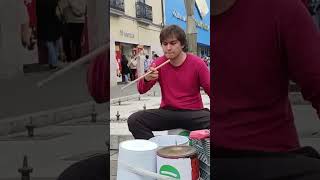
{"x":133,"y":23}
{"x":175,"y":13}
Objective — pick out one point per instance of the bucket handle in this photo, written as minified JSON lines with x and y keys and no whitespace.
{"x":144,"y":172}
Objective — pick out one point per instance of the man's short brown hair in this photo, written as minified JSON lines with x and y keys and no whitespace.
{"x":174,"y":31}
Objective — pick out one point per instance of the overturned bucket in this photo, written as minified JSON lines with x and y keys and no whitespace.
{"x":179,"y":162}
{"x":181,"y":132}
{"x":138,"y":153}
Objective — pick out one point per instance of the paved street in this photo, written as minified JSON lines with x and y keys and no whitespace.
{"x":53,"y":148}
{"x":58,"y":143}
{"x":21,"y":95}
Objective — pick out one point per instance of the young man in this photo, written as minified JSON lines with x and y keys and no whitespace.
{"x":180,"y":81}
{"x":258,"y":46}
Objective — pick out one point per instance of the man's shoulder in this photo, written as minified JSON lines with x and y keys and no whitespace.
{"x":281,"y":7}
{"x":194,"y":58}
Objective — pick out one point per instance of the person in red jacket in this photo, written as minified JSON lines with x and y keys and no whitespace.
{"x":180,"y":81}
{"x":258,"y":47}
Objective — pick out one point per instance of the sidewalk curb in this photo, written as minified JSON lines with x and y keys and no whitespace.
{"x":44,"y":118}
{"x":133,"y":96}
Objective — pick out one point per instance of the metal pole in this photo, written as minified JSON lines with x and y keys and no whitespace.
{"x":191,"y":30}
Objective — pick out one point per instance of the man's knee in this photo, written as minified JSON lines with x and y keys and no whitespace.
{"x":133,"y":120}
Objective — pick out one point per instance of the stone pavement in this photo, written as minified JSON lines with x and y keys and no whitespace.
{"x":61,"y":111}
{"x":20,"y":95}
{"x":53,"y":148}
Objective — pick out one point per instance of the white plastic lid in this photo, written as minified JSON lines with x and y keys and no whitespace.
{"x":138,"y":145}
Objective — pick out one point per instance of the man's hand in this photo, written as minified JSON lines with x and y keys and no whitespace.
{"x":153,"y":75}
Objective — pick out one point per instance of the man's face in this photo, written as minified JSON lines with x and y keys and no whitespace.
{"x":172,"y":47}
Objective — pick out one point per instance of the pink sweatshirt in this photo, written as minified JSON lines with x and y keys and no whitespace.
{"x":180,"y":86}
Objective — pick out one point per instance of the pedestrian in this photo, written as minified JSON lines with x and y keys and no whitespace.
{"x":140,"y":58}
{"x":155,"y":56}
{"x":259,"y":46}
{"x":133,"y":67}
{"x":180,"y":81}
{"x":147,"y":63}
{"x":74,"y":13}
{"x":125,"y":71}
{"x":49,"y":29}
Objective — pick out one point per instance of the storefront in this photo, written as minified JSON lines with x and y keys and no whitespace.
{"x":128,"y":31}
{"x":129,"y":50}
{"x":175,"y":13}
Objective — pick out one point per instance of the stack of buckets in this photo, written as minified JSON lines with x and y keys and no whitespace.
{"x":167,"y":155}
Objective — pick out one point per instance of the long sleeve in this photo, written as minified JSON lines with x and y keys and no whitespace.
{"x":144,"y":86}
{"x":204,"y":77}
{"x":302,"y":42}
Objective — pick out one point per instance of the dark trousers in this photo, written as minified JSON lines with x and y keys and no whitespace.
{"x":133,"y":74}
{"x":303,"y":164}
{"x":42,"y":52}
{"x":142,"y":123}
{"x":72,"y":40}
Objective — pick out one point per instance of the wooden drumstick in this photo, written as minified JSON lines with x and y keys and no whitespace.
{"x":164,"y":63}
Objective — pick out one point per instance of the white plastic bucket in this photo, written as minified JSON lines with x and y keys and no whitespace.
{"x":181,"y":132}
{"x":179,"y":162}
{"x":170,"y":140}
{"x":138,"y":153}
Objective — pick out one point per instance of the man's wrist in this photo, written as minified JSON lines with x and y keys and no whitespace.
{"x":145,"y":80}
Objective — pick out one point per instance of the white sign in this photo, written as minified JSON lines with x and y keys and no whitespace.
{"x":202,"y":8}
{"x":126,"y":34}
{"x":199,"y":24}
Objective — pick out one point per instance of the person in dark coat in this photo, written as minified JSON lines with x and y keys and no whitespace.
{"x":49,"y":29}
{"x":125,"y":69}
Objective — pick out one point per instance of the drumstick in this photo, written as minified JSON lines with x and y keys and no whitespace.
{"x":143,"y":172}
{"x":164,"y":63}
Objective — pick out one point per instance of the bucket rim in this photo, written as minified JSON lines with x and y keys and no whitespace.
{"x":190,"y":152}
